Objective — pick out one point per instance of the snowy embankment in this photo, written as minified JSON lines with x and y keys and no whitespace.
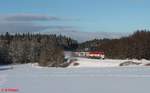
{"x":98,"y":63}
{"x":77,"y":62}
{"x":85,"y":62}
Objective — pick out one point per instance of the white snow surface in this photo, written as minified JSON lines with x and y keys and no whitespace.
{"x":92,"y":76}
{"x":86,"y":62}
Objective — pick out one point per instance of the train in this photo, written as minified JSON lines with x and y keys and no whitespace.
{"x":91,"y":54}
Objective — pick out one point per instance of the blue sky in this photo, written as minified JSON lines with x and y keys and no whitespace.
{"x":81,"y":15}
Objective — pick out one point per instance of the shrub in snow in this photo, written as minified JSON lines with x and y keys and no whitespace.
{"x":148,"y":64}
{"x":128,"y":63}
{"x":75,"y":64}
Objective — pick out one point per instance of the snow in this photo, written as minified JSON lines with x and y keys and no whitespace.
{"x":93,"y":76}
{"x":85,"y":62}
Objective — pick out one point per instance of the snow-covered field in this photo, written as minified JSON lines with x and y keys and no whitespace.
{"x":106,"y":78}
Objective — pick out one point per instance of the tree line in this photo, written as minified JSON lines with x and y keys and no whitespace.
{"x":47,"y":50}
{"x":133,"y":46}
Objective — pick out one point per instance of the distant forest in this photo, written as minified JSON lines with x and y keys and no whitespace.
{"x":135,"y":46}
{"x":48,"y":50}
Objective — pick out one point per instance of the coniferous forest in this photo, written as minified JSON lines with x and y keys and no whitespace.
{"x":135,"y":46}
{"x":48,"y":50}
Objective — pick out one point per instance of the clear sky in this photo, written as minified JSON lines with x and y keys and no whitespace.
{"x":81,"y":15}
